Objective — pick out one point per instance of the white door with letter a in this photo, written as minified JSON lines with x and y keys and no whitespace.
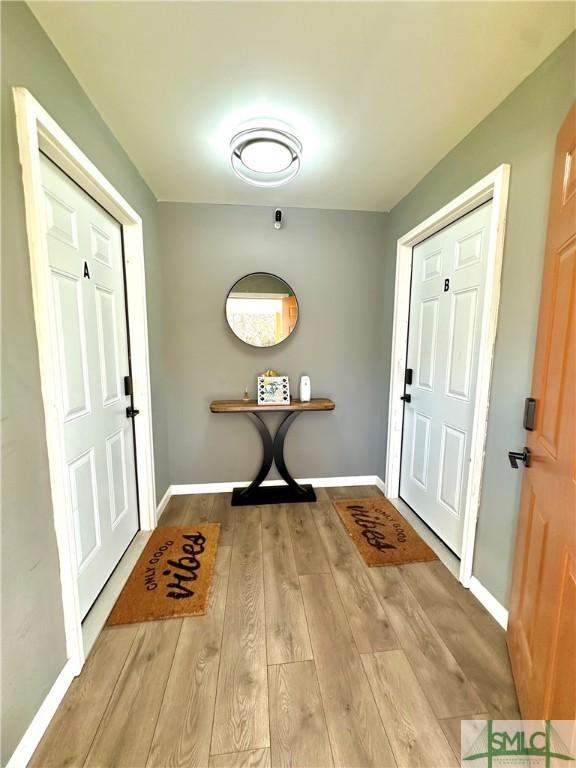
{"x":90,"y":365}
{"x":446,"y":302}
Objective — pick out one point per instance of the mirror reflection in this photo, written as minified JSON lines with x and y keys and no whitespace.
{"x":262,"y":309}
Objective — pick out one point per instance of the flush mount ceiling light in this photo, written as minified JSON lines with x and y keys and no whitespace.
{"x":265,"y":157}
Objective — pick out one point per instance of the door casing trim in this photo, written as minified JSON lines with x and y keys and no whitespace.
{"x":36,"y":130}
{"x":493,"y":187}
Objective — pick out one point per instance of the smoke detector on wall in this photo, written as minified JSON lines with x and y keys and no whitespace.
{"x":265,"y":157}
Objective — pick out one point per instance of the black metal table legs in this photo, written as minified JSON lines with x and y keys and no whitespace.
{"x":267,"y":454}
{"x":273,"y":451}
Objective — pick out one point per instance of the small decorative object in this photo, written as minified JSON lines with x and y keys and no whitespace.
{"x":273,"y":389}
{"x":305,"y":389}
{"x":246,"y":396}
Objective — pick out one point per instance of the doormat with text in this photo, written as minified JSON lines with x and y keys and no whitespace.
{"x":172,"y":577}
{"x":381,"y":534}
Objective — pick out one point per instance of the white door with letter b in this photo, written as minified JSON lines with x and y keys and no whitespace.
{"x":90,"y":362}
{"x":446,"y":304}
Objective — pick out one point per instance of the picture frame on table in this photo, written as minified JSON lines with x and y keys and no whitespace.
{"x":273,"y":390}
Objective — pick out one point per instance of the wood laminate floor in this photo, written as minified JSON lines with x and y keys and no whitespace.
{"x":306,"y":659}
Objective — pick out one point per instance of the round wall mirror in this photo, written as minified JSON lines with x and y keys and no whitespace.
{"x":262,"y":309}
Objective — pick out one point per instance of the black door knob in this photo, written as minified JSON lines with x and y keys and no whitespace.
{"x":515,"y":456}
{"x":131,"y":412}
{"x":406,"y":398}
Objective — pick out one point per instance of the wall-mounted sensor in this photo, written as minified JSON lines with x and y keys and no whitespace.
{"x":277,"y":218}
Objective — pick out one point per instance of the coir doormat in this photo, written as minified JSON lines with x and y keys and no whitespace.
{"x":172,"y":577}
{"x":382,"y":535}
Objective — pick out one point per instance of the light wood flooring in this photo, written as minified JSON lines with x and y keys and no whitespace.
{"x":306,"y":658}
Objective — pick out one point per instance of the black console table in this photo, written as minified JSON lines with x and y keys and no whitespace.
{"x":273,"y":450}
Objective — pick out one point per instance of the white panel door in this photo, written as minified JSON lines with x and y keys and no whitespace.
{"x":85,"y":258}
{"x":447,"y":296}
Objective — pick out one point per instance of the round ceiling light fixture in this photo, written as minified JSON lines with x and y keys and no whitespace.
{"x":265,"y":157}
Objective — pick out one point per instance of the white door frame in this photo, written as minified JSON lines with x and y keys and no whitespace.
{"x":38,"y":131}
{"x":493,"y":187}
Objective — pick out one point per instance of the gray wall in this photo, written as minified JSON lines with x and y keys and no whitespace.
{"x":521,"y":131}
{"x":33,"y":648}
{"x":333,"y":261}
{"x":262,"y":283}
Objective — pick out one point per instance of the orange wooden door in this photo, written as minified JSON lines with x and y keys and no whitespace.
{"x":542,"y":623}
{"x":289,"y":315}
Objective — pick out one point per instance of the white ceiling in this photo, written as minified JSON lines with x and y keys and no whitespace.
{"x":377,"y":92}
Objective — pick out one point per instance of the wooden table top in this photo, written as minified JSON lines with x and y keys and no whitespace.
{"x":243,"y":406}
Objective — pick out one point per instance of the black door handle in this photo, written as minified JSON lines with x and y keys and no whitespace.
{"x":131,"y":412}
{"x":515,"y":456}
{"x":406,"y":398}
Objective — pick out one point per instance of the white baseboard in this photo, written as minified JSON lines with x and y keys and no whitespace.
{"x":379,"y":483}
{"x":163,"y":503}
{"x":317,"y":482}
{"x":37,"y":727}
{"x":489,"y":602}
